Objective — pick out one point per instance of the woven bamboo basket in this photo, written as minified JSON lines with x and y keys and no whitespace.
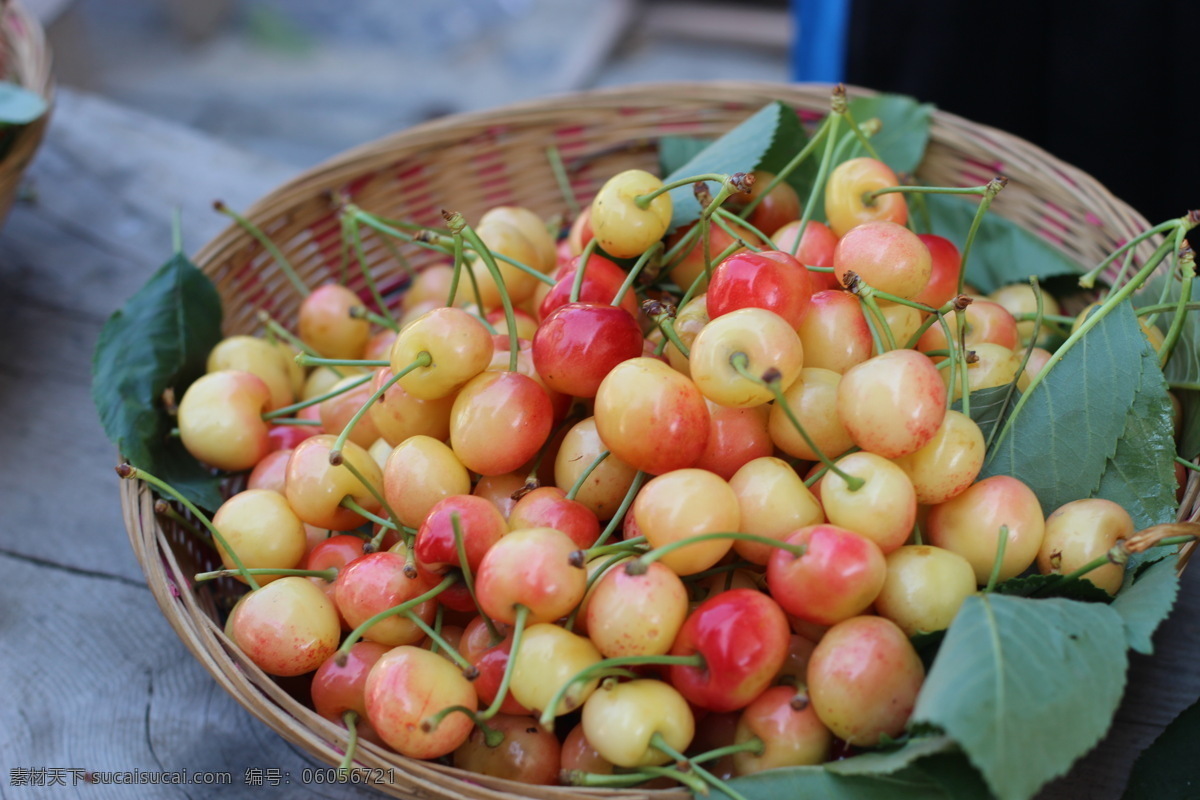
{"x":25,"y":59}
{"x":469,"y":163}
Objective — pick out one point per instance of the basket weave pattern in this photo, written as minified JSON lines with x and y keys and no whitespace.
{"x":470,"y":163}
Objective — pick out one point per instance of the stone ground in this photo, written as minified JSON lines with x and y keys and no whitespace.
{"x":301,"y":80}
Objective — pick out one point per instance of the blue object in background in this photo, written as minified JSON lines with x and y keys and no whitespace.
{"x":819,"y":49}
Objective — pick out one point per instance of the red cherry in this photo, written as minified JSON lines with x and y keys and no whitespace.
{"x":579,"y":344}
{"x":769,"y":279}
{"x":743,"y":637}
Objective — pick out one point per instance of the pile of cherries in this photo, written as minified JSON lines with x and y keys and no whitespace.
{"x":630,"y":507}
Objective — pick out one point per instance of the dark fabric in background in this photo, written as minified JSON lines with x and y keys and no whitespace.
{"x":1106,"y":86}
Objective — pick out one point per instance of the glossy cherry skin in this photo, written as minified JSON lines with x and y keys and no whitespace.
{"x":480,"y":523}
{"x":602,"y":279}
{"x":325,"y":323}
{"x":622,"y":227}
{"x":288,"y":627}
{"x":376,"y":582}
{"x":549,"y":507}
{"x":490,"y":659}
{"x":651,"y":417}
{"x":736,"y":436}
{"x":405,"y":687}
{"x":863,"y":679}
{"x":815,"y":250}
{"x":768,"y":279}
{"x":945,"y":266}
{"x":528,"y":753}
{"x":499,"y":421}
{"x":532,"y":567}
{"x":835,"y":333}
{"x":220,"y":419}
{"x":849,"y":181}
{"x":338,"y":688}
{"x":837,"y":577}
{"x":888,"y":256}
{"x":316,"y":488}
{"x":893,"y":403}
{"x":742,"y":636}
{"x":580,"y":343}
{"x":791,"y":732}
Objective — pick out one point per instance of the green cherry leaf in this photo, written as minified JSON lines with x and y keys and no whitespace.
{"x":1080,"y":589}
{"x":774,"y":126}
{"x":1005,"y":686}
{"x":886,"y":762}
{"x":675,"y":151}
{"x":990,"y":406}
{"x":1145,"y":601}
{"x":1065,"y":443}
{"x":159,"y":340}
{"x":1003,"y":252}
{"x":902,"y":139}
{"x":937,"y":773}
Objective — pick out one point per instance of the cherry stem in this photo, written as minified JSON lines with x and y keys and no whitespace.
{"x":720,"y":221}
{"x":362,"y":312}
{"x":305,"y":360}
{"x":423,"y":359}
{"x":518,"y":633}
{"x":167,"y":510}
{"x":1114,"y":299}
{"x":960,"y":318}
{"x":720,"y":569}
{"x":439,"y":642}
{"x":639,"y":565}
{"x":623,"y":509}
{"x":597,"y":669}
{"x":327,"y":575}
{"x":613,"y":560}
{"x":457,"y":270}
{"x":1187,"y":464}
{"x":370,"y":487}
{"x":468,"y":579}
{"x":626,"y":547}
{"x":1001,"y":545}
{"x":740,"y":363}
{"x":753,"y":745}
{"x":644,"y":259}
{"x":274,"y":328}
{"x":868,"y":197}
{"x":857,"y":286}
{"x":350,"y":720}
{"x":724,"y":217}
{"x":577,"y":283}
{"x":560,"y":177}
{"x":130,"y":471}
{"x":658,"y":742}
{"x":626,"y":779}
{"x":1062,"y":319}
{"x":1012,"y":385}
{"x":643,"y":200}
{"x":1187,"y":267}
{"x":249,"y":227}
{"x":809,"y":148}
{"x":992,"y":189}
{"x":681,"y":248}
{"x":663,"y":315}
{"x":819,"y":184}
{"x":472,"y":238}
{"x":1088,"y":279}
{"x":287,"y":411}
{"x":587,"y":473}
{"x":357,"y":633}
{"x":928,"y":322}
{"x":386,"y":318}
{"x":352,"y":504}
{"x":1141,"y":311}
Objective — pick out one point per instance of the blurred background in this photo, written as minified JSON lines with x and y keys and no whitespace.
{"x":1099,"y":84}
{"x":300,"y":80}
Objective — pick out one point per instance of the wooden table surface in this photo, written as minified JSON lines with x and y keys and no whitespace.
{"x":93,"y":678}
